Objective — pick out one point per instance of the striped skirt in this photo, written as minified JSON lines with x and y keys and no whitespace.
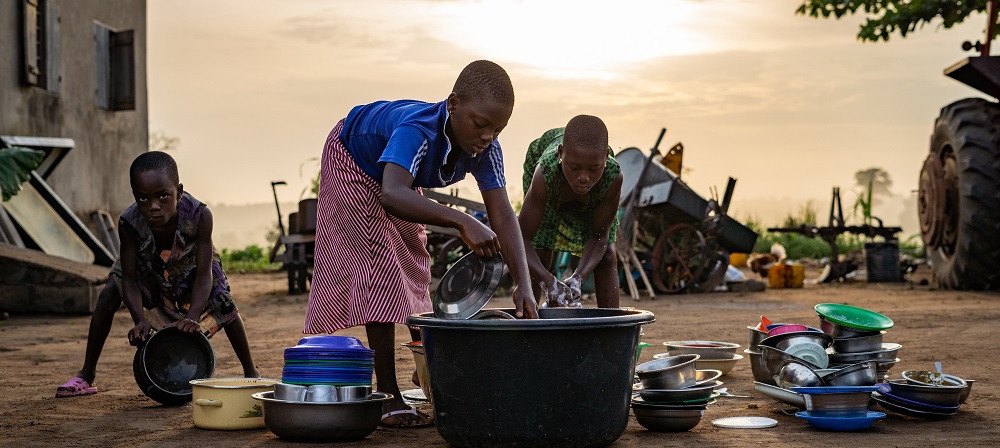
{"x":369,"y":266}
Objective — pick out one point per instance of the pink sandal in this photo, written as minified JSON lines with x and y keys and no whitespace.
{"x":74,"y":387}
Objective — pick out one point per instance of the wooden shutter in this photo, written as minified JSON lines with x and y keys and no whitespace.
{"x":30,"y":50}
{"x":53,"y":72}
{"x":122,"y":53}
{"x":102,"y":63}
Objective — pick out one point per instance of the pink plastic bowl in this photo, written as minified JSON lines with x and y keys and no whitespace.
{"x":787,"y":329}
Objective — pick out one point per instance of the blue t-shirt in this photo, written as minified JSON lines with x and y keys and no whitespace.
{"x":411,"y":134}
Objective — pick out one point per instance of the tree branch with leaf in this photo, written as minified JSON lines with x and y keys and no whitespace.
{"x":885,"y":17}
{"x":16,"y":164}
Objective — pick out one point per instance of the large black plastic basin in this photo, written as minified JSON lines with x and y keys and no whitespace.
{"x":563,"y":380}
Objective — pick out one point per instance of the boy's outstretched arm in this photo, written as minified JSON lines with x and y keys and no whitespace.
{"x":503,"y":219}
{"x":529,"y":220}
{"x":597,"y":244}
{"x":401,"y":201}
{"x":130,"y":286}
{"x":203,"y":275}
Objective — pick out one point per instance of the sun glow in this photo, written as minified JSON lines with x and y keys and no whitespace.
{"x":579,"y":39}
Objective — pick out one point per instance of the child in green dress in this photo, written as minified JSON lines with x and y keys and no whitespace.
{"x":572,"y":184}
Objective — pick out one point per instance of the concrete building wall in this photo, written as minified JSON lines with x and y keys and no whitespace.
{"x":94,"y":175}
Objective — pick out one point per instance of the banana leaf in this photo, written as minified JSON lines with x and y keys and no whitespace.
{"x":16,"y":164}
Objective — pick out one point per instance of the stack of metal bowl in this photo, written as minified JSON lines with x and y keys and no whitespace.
{"x":923,"y":394}
{"x":857,"y":337}
{"x":714,"y":355}
{"x":672,"y":394}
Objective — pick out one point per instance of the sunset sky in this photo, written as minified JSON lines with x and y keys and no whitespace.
{"x":789,"y":105}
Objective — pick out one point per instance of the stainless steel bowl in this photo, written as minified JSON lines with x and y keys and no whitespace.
{"x":674,"y":372}
{"x":794,"y":374}
{"x":858,"y":344}
{"x":705,"y":349}
{"x":933,"y":395}
{"x":966,"y":391}
{"x":887,"y":352}
{"x":759,"y":370}
{"x":851,"y":404}
{"x":923,"y":378}
{"x":928,"y":378}
{"x":785,"y":340}
{"x":755,"y":337}
{"x":687,"y":394}
{"x":774,"y":357}
{"x":841,"y":331}
{"x":667,"y":420}
{"x":860,"y":374}
{"x":322,"y":422}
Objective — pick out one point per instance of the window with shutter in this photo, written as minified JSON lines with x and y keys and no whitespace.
{"x":40,"y":50}
{"x":29,"y":22}
{"x":115,"y":68}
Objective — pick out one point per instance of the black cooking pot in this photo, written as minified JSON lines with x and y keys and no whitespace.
{"x":166,"y":362}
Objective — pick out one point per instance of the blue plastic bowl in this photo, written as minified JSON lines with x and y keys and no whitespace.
{"x":332,"y":342}
{"x":841,"y":423}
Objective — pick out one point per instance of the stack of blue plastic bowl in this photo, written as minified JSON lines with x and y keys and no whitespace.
{"x":328,"y":360}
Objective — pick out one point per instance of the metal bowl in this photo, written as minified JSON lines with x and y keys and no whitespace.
{"x":795,"y":374}
{"x":966,"y":391}
{"x":887,"y":352}
{"x":673,"y":372}
{"x":841,"y":331}
{"x":759,"y":369}
{"x":858,"y":344}
{"x":773,"y":358}
{"x":860,"y":374}
{"x":667,"y":420}
{"x":322,"y":422}
{"x":836,"y":401}
{"x":927,"y":378}
{"x":755,"y":337}
{"x":681,"y":395}
{"x":785,"y":340}
{"x":933,"y":395}
{"x":705,"y":349}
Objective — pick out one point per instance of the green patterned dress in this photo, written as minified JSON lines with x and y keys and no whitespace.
{"x":565,"y":227}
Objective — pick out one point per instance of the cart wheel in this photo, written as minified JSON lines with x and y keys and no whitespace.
{"x":679,"y":258}
{"x":715,"y":273}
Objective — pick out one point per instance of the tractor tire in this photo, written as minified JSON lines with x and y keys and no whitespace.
{"x":959,"y":196}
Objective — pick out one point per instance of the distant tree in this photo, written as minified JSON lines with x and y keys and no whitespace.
{"x":878,"y":179}
{"x":874,"y":182}
{"x":160,"y":141}
{"x":885,"y":17}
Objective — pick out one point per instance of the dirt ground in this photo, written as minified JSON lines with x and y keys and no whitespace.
{"x":957,"y":328}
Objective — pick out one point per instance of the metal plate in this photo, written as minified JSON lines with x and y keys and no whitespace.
{"x":467,"y":286}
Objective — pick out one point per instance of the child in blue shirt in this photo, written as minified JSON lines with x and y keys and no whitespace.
{"x":371,"y":265}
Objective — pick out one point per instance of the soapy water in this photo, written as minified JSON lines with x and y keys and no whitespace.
{"x":564,"y":293}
